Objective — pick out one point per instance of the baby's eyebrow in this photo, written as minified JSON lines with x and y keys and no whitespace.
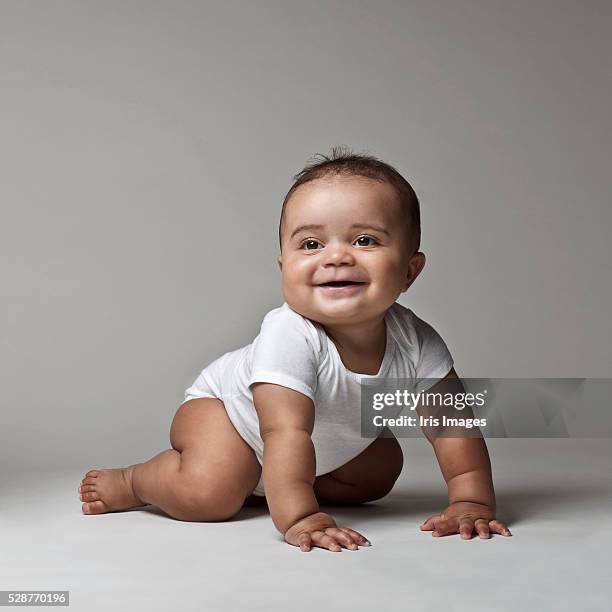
{"x":312,"y":226}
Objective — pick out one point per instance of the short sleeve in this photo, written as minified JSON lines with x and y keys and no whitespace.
{"x":434,"y":360}
{"x":285,"y":352}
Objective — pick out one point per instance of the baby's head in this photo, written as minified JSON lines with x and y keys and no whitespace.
{"x":349,"y":217}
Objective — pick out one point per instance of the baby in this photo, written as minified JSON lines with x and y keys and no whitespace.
{"x":284,"y":411}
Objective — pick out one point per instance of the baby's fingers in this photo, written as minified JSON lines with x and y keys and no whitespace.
{"x":342,"y":537}
{"x":499,"y":527}
{"x":466,"y":527}
{"x":482,"y":527}
{"x":324,"y":541}
{"x":444,"y":527}
{"x":430,"y":523}
{"x":304,"y":542}
{"x":357,"y":537}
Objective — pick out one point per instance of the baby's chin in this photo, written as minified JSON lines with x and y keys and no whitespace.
{"x":340,"y":312}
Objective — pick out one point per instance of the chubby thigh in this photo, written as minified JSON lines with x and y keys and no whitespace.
{"x":216,"y":460}
{"x":213,"y":455}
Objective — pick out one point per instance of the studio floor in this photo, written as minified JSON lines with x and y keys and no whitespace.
{"x":555,"y":495}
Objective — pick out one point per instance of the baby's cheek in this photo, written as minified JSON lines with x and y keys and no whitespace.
{"x":394,"y":271}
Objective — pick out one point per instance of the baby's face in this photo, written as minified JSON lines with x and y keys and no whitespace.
{"x":345,"y":229}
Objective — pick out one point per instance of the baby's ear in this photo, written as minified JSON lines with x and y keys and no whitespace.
{"x":415,"y":267}
{"x":279,"y":259}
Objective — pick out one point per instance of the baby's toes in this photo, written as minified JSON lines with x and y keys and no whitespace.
{"x":86,"y":488}
{"x":89,"y":497}
{"x":96,"y":507}
{"x":92,"y":473}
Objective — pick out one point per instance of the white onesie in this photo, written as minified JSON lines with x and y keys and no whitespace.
{"x":295,"y":352}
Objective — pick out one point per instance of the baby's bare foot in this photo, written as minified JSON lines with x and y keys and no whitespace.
{"x":108,"y":490}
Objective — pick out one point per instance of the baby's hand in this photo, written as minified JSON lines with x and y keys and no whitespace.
{"x":320,"y":529}
{"x":463,"y":518}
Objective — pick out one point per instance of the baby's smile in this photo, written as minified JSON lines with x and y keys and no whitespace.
{"x":341,"y":288}
{"x":344,"y":283}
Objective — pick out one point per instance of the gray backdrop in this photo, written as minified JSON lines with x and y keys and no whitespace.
{"x":146,"y":148}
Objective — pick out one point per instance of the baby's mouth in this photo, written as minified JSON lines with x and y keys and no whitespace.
{"x":340,"y":284}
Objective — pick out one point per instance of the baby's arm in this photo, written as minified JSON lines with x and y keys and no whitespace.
{"x":466,"y":468}
{"x":286,"y":421}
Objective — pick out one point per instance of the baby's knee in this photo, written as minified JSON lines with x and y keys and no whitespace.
{"x":396,"y":459}
{"x":382,"y":482}
{"x":379,"y":489}
{"x":204,"y":500}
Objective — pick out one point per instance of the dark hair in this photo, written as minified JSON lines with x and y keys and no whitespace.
{"x":342,"y":161}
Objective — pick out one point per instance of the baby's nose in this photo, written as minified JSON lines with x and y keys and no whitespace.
{"x":338,"y":253}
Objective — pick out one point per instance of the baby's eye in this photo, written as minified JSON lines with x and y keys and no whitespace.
{"x":309,"y":242}
{"x":366,"y":238}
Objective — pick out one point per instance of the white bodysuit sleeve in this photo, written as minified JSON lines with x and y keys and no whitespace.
{"x":285,"y":353}
{"x":435,"y":360}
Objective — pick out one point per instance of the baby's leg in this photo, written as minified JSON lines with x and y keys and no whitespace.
{"x":206,"y":476}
